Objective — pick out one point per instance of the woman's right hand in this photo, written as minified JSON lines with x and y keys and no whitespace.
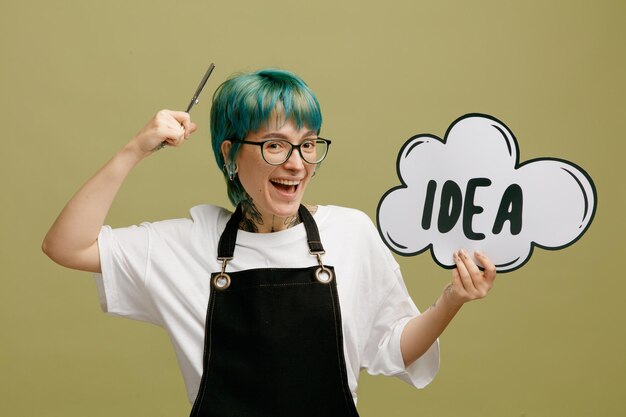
{"x":171,"y":127}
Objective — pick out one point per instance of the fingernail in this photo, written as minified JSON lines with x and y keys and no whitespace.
{"x":464,"y":252}
{"x":478,"y":253}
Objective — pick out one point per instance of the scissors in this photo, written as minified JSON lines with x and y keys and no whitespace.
{"x":194,"y":99}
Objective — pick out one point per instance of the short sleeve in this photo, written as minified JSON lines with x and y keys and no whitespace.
{"x":124,"y":256}
{"x":382,"y":354}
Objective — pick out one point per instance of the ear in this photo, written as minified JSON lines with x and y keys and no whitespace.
{"x":225,"y":148}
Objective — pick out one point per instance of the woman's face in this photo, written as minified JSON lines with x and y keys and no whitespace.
{"x":276,"y":190}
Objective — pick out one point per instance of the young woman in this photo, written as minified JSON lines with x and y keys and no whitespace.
{"x":275,"y":308}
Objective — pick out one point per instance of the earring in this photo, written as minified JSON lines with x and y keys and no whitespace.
{"x":231,"y":172}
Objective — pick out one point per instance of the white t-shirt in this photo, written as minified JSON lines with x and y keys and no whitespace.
{"x":159,"y":272}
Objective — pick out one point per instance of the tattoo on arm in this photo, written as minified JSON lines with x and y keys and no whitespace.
{"x":448,"y":290}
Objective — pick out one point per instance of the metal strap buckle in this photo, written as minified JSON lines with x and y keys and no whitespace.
{"x":222,"y":280}
{"x":322,"y":274}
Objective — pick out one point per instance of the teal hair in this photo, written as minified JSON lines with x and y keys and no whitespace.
{"x":246,"y":102}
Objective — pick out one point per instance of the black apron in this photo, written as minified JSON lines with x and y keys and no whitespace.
{"x":273,"y":339}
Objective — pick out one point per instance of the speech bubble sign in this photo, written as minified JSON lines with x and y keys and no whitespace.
{"x":468,"y":190}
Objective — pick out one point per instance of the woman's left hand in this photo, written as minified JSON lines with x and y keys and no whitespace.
{"x":468,"y":281}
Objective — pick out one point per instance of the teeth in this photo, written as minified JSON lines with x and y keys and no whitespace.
{"x":285,"y":182}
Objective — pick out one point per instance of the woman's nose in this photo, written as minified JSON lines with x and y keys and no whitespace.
{"x":294,"y":161}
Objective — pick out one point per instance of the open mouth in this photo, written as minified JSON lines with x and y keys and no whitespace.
{"x":286,"y":186}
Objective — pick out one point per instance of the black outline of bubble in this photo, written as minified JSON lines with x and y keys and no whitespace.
{"x":517,"y":166}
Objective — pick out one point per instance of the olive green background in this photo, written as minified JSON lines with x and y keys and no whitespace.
{"x":79,"y":78}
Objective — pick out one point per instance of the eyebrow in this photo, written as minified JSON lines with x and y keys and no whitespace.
{"x":283,"y":136}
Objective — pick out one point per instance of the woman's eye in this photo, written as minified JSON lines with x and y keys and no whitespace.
{"x":308,"y":146}
{"x":274,"y":146}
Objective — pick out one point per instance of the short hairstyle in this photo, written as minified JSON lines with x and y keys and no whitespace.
{"x":246,"y":102}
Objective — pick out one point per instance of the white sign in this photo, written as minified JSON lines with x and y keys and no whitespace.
{"x":468,"y":190}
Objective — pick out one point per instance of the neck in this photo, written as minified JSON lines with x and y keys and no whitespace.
{"x":254,"y":221}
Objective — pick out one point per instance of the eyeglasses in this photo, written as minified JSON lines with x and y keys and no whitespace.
{"x":278,"y":151}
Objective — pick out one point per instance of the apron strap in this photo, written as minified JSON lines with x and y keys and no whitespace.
{"x":226,"y":246}
{"x":312,"y":233}
{"x":228,"y":239}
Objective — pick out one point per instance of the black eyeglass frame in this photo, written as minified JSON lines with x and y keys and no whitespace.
{"x":263,"y":142}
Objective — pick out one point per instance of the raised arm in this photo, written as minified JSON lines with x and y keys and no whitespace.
{"x":468,"y":283}
{"x":72,"y":239}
